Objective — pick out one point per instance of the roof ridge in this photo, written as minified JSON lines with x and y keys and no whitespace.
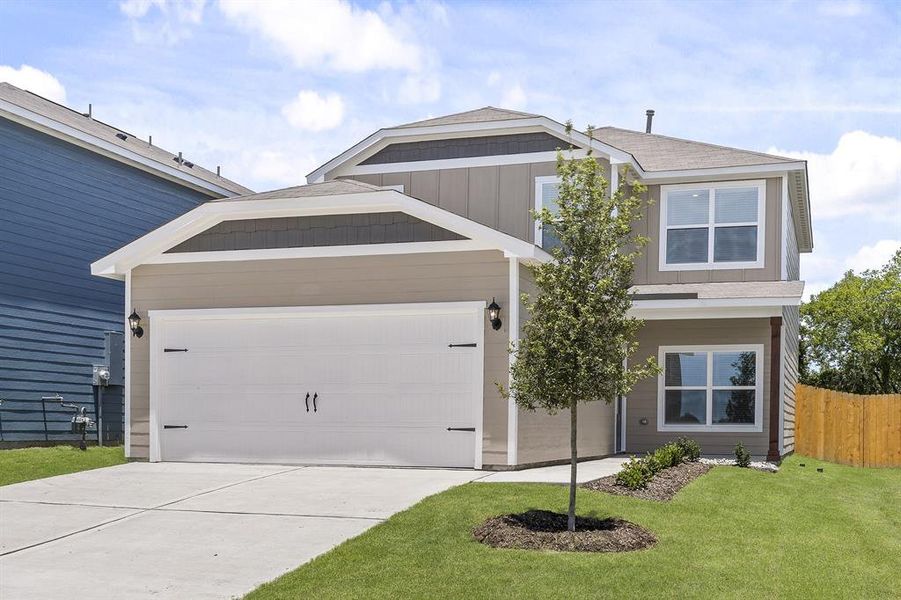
{"x":511,"y":112}
{"x":700,"y":143}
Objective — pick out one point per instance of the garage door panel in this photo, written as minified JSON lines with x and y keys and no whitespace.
{"x":387,"y":388}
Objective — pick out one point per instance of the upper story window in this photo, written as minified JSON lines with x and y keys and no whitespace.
{"x":546,"y":194}
{"x":709,"y":388}
{"x":712,"y":226}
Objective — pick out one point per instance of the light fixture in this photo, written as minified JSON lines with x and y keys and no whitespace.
{"x":134,"y":323}
{"x":494,"y":315}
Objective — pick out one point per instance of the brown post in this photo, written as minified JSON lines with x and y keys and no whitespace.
{"x":775,"y":376}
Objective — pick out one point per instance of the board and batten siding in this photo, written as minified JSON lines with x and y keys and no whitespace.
{"x":641,"y":403}
{"x":790,"y":350}
{"x":647,"y":268}
{"x":427,"y":277}
{"x":544,"y":438}
{"x":61,"y":208}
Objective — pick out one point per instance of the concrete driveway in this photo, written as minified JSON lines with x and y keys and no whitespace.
{"x":177,"y":530}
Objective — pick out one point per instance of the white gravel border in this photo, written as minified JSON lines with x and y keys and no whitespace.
{"x":730,"y":462}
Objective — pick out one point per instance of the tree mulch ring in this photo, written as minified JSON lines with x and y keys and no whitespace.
{"x":663,"y":487}
{"x":545,"y":530}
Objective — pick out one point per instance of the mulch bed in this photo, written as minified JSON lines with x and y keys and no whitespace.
{"x":663,"y":487}
{"x":545,"y":530}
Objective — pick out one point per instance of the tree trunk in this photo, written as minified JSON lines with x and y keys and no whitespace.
{"x":573,"y":461}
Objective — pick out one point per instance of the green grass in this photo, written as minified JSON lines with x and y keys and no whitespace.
{"x":25,"y":464}
{"x":734,"y":533}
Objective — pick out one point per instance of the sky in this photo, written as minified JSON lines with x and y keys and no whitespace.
{"x":270,"y":90}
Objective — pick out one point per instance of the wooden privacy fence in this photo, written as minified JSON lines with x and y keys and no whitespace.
{"x":862,"y":431}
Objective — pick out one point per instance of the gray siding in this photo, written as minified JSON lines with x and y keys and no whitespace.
{"x":326,"y":230}
{"x":790,"y":341}
{"x":792,"y":255}
{"x":647,"y":268}
{"x":494,"y":145}
{"x":642,"y":402}
{"x":438,"y":277}
{"x":61,"y":208}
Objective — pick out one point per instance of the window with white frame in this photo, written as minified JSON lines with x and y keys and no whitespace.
{"x":716,"y":388}
{"x":712,"y":226}
{"x":546,"y":194}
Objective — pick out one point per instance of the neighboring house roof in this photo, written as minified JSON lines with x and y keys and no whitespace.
{"x":479,"y":115}
{"x":55,"y":119}
{"x":327,"y":188}
{"x":656,"y":152}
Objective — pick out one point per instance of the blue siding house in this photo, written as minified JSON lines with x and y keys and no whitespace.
{"x":72,"y":189}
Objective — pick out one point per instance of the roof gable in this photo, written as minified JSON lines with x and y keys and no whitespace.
{"x":479,"y":115}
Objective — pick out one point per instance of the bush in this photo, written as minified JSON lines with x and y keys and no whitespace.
{"x":742,"y":456}
{"x":666,"y":456}
{"x":691,"y":450}
{"x":635,"y":474}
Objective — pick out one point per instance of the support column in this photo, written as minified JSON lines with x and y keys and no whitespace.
{"x":513,"y":329}
{"x":775,"y":387}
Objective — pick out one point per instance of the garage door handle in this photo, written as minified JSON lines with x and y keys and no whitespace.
{"x":316,"y":395}
{"x":175,"y":349}
{"x":461,"y":428}
{"x":175,"y":426}
{"x":307,"y":401}
{"x":472,"y":345}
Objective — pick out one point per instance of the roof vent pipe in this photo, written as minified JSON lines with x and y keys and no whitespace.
{"x":218,"y":171}
{"x":650,"y":114}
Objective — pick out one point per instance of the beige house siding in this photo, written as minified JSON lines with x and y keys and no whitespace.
{"x":439,"y":277}
{"x":499,"y":196}
{"x":543,"y":437}
{"x":791,"y":323}
{"x":647,"y":268}
{"x":642,"y":402}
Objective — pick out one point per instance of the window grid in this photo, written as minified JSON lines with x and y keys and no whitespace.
{"x":711,"y":226}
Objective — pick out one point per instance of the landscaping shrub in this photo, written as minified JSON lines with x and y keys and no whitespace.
{"x":691,"y":450}
{"x":635,"y":474}
{"x":742,"y":456}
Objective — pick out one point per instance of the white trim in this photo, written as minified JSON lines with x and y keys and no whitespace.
{"x":454,"y":163}
{"x":712,"y":225}
{"x":701,"y":312}
{"x":625,"y":423}
{"x":159,"y":318}
{"x":709,"y":388}
{"x":513,"y":329}
{"x":318,"y":252}
{"x":398,"y":187}
{"x":702,"y":174}
{"x":785,"y":218}
{"x":539,"y":203}
{"x":96,"y":144}
{"x":210,"y":214}
{"x":127,"y":335}
{"x":363,"y":149}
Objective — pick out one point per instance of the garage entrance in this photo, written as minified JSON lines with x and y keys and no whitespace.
{"x":367,"y":385}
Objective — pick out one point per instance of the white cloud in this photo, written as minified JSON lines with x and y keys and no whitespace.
{"x":167,"y":21}
{"x":842,"y":8}
{"x":329,"y":34}
{"x":419,"y":89}
{"x":514,"y":98}
{"x":862,"y":175}
{"x":873,"y":257}
{"x":34,"y":80}
{"x":313,"y":112}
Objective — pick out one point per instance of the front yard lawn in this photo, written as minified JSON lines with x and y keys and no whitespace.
{"x":25,"y":464}
{"x":733,"y":533}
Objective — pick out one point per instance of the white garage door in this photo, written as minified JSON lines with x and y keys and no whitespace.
{"x":380,"y":385}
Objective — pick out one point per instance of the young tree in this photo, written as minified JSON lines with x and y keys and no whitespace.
{"x":851,"y":333}
{"x":578,"y":336}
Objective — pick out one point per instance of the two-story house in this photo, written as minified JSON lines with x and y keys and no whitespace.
{"x":365,"y":318}
{"x":73,"y":189}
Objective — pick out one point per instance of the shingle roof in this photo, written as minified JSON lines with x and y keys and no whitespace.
{"x":479,"y":115}
{"x":663,"y":153}
{"x":736,"y":289}
{"x":327,"y":188}
{"x":107,"y":133}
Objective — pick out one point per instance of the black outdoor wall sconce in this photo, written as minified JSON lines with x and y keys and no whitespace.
{"x":134,"y":323}
{"x":494,"y":315}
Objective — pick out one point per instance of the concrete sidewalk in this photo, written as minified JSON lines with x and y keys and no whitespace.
{"x":587,"y":471}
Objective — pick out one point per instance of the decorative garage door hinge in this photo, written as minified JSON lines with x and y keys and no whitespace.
{"x":461,"y":428}
{"x":175,"y":426}
{"x":471,"y":345}
{"x":175,"y":349}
